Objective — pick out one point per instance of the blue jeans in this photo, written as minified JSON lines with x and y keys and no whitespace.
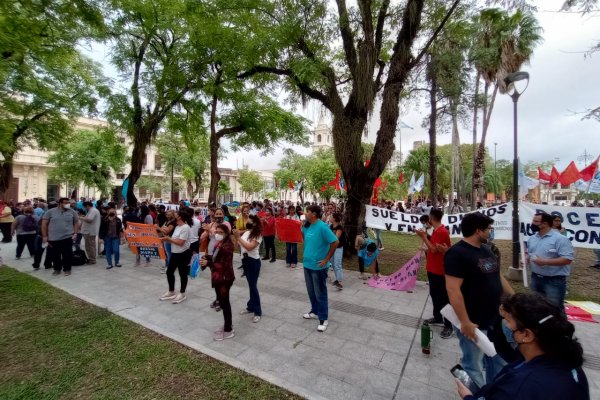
{"x":316,"y":286}
{"x":111,"y":246}
{"x":167,"y":246}
{"x":552,"y":288}
{"x":337,"y":264}
{"x":473,"y":361}
{"x":291,"y":253}
{"x":378,"y":237}
{"x":252,"y":270}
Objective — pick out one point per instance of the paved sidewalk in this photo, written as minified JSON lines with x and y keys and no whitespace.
{"x":371,"y":349}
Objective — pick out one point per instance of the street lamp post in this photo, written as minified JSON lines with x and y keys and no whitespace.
{"x":515,"y":93}
{"x":172,"y":199}
{"x":495,"y":174}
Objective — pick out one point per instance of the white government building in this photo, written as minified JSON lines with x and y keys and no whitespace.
{"x":31,"y":180}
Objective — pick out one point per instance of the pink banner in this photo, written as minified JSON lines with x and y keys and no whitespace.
{"x":404,"y":279}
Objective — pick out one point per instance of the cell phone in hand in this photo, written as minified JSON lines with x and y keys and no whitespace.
{"x":459,"y":373}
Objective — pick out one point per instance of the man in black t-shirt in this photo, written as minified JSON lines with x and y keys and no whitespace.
{"x":474,"y":286}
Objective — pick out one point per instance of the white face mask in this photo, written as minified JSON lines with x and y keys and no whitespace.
{"x":218,"y":237}
{"x":67,"y":206}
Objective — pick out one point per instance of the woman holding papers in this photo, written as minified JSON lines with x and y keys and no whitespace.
{"x":552,"y":356}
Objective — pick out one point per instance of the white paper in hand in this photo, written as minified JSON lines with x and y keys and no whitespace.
{"x":482,"y":340}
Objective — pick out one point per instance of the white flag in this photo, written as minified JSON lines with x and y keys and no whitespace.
{"x":411,"y":185}
{"x":420,"y":183}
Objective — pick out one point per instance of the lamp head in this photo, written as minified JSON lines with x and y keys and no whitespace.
{"x":512,"y":87}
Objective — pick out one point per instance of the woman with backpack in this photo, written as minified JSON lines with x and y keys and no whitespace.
{"x":26,"y":227}
{"x":338,"y":229}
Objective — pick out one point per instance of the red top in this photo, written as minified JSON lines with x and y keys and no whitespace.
{"x":269,"y":226}
{"x":435,"y":260}
{"x":222,"y":266}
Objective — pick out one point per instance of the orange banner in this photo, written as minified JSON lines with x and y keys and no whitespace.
{"x":288,"y":230}
{"x":143,"y":240}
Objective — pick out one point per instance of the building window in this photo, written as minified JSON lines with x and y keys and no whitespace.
{"x":157,"y":164}
{"x":318,"y":138}
{"x":145,"y":162}
{"x":328,"y":139}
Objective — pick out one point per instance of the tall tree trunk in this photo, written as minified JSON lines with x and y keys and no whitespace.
{"x":433,"y":193}
{"x":6,"y":171}
{"x":455,"y":149}
{"x":140,"y":143}
{"x":475,"y":111}
{"x":479,"y":163}
{"x":215,"y":176}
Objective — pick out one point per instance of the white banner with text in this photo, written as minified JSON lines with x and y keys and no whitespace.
{"x":582,"y":224}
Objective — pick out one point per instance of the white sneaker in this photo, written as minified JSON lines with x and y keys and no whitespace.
{"x":168,"y":296}
{"x":179,"y":298}
{"x":163,"y":270}
{"x":309,"y":316}
{"x":323,"y":327}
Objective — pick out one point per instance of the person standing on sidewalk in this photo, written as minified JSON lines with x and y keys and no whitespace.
{"x":269,"y":234}
{"x":111,"y":232}
{"x":181,"y":256}
{"x":249,"y":244}
{"x":320,"y":244}
{"x":222,"y":277}
{"x":291,"y":249}
{"x":474,"y":286}
{"x":436,"y":248}
{"x":59,"y":229}
{"x":26,"y":227}
{"x":6,"y":220}
{"x":90,"y":226}
{"x":338,"y":230}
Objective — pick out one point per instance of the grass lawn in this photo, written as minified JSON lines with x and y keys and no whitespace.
{"x":584,"y":282}
{"x":55,"y":346}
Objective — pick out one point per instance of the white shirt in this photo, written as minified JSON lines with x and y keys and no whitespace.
{"x":254,"y":252}
{"x":194,"y":231}
{"x":91,"y":228}
{"x":181,"y":232}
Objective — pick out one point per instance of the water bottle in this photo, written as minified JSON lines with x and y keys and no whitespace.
{"x":426,"y":336}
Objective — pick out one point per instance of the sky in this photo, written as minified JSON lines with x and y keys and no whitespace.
{"x":563,"y":84}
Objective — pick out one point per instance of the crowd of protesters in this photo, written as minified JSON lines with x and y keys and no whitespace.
{"x":541,"y":357}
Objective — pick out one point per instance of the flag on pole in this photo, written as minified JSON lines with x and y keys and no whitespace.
{"x":411,"y":185}
{"x":525,"y":182}
{"x":401,"y":178}
{"x":291,"y":185}
{"x":542,"y":176}
{"x":569,"y":175}
{"x":420,"y":183}
{"x":587,"y":174}
{"x":554,"y":176}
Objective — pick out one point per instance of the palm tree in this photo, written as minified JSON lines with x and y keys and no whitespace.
{"x":505,"y":42}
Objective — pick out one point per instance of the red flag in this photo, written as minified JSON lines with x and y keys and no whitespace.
{"x":367,"y":163}
{"x":377,"y":183}
{"x":554,"y":176}
{"x":543,"y":176}
{"x":375,"y":197}
{"x":587,"y":174}
{"x":323,"y":188}
{"x":337,"y":179}
{"x":569,"y":175}
{"x":401,"y":178}
{"x":291,"y":185}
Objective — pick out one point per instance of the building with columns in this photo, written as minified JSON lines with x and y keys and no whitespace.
{"x":31,"y":177}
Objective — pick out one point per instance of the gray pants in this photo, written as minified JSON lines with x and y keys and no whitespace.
{"x":90,"y":247}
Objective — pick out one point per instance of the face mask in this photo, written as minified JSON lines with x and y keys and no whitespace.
{"x":424,"y":227}
{"x":67,"y":206}
{"x":249,"y":226}
{"x":219,"y":219}
{"x":535,"y":228}
{"x":509,"y":335}
{"x":218,"y":237}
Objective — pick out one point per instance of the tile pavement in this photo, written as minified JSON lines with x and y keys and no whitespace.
{"x":371,"y":349}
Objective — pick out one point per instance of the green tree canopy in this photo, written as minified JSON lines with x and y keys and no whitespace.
{"x":89,"y":157}
{"x":251,"y":183}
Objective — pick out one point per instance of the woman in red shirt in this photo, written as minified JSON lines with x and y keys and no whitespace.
{"x":269,"y":234}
